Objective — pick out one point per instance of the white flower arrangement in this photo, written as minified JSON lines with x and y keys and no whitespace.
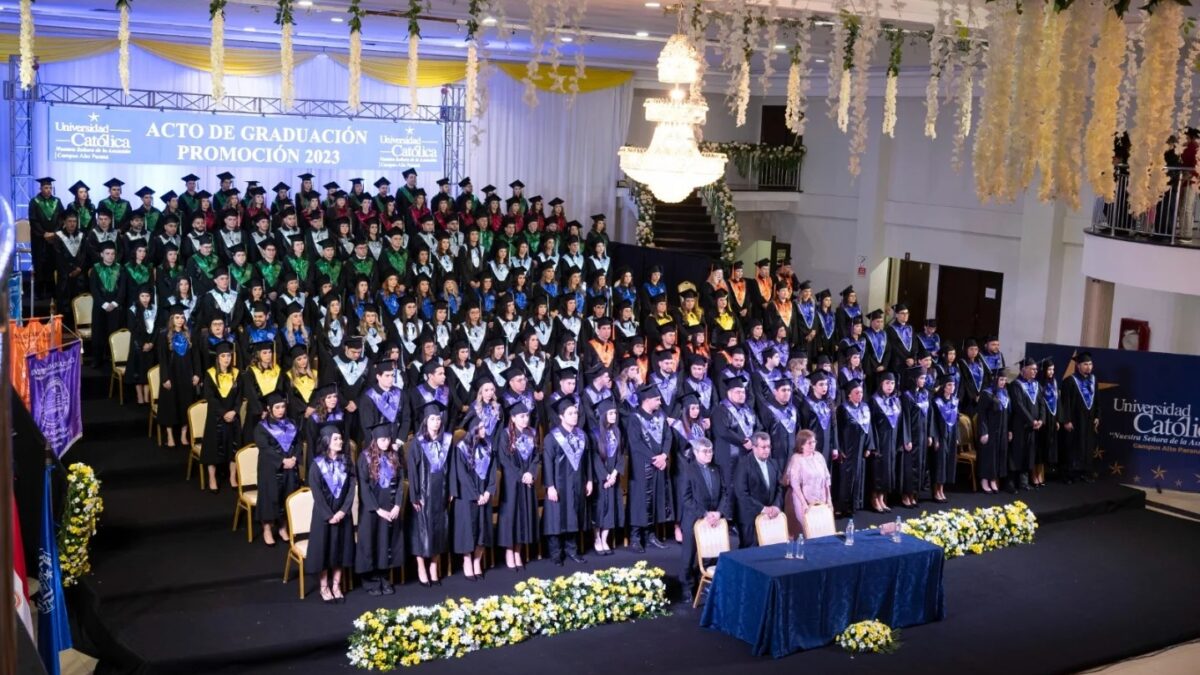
{"x":742,"y":100}
{"x":354,"y":97}
{"x":413,"y":67}
{"x":216,"y":49}
{"x":868,"y":637}
{"x":940,"y":43}
{"x":643,"y":200}
{"x":1107,"y":57}
{"x":472,"y":78}
{"x":795,"y":113}
{"x":891,"y":87}
{"x":964,"y":95}
{"x":1183,"y":116}
{"x":83,"y":509}
{"x":746,"y":156}
{"x":839,"y":43}
{"x":843,"y":102}
{"x":991,"y":137}
{"x":25,"y":44}
{"x":123,"y":45}
{"x":719,"y":198}
{"x":959,"y":532}
{"x":385,"y":639}
{"x":864,"y":48}
{"x":1156,"y":98}
{"x":1133,"y":46}
{"x":1048,"y":78}
{"x":287,"y":60}
{"x":771,"y":18}
{"x":1082,"y":18}
{"x":538,"y":18}
{"x":1024,"y":123}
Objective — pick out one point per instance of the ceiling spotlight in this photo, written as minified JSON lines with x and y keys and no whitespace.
{"x":823,"y":23}
{"x":780,"y":47}
{"x":567,"y":38}
{"x":489,"y":21}
{"x":336,"y":19}
{"x":304,"y":3}
{"x":250,"y":29}
{"x":819,"y":60}
{"x":654,"y":5}
{"x":642,"y":33}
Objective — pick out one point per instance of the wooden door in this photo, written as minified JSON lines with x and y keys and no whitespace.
{"x":968,"y":303}
{"x":913,"y":290}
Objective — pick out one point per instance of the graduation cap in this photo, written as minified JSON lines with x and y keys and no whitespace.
{"x":780,"y":383}
{"x":824,"y":294}
{"x":688,"y":293}
{"x":281,"y":186}
{"x":79,"y":184}
{"x":103,"y":210}
{"x":512,"y":200}
{"x":274,"y":398}
{"x":356,"y":181}
{"x":295,"y":308}
{"x":430,"y":367}
{"x":332,"y":185}
{"x":410,"y":171}
{"x":1026,"y":362}
{"x":738,"y":264}
{"x":764,"y":262}
{"x":463,"y":183}
{"x":787,"y":260}
{"x":850,"y":349}
{"x":818,"y":375}
{"x":236,"y":248}
{"x":383,"y":181}
{"x":805,"y":285}
{"x":224,"y":175}
{"x":931,"y":323}
{"x":513,"y":372}
{"x":305,"y":176}
{"x":899,"y":307}
{"x":516,"y":184}
{"x":847,"y":291}
{"x":875,"y":314}
{"x":1082,"y":357}
{"x":561,"y":405}
{"x":628,"y":362}
{"x":488,"y":189}
{"x":297,"y":351}
{"x":323,"y":391}
{"x":443,"y":181}
{"x":735,"y":382}
{"x":144,"y":192}
{"x":108,"y":246}
{"x":223,"y":347}
{"x":190,"y":178}
{"x":970,"y":342}
{"x":518,"y":408}
{"x":384,"y":366}
{"x":220,"y":272}
{"x":45,"y":181}
{"x":262,"y":346}
{"x":823,"y":360}
{"x":205,"y":238}
{"x":204,"y":194}
{"x":598,"y":217}
{"x":854,"y":384}
{"x":383,"y":430}
{"x":649,"y":391}
{"x":353,"y":342}
{"x":888,"y":376}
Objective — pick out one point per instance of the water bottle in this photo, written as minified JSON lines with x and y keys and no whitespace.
{"x":850,"y":533}
{"x":800,"y":546}
{"x":791,"y":549}
{"x":896,"y":533}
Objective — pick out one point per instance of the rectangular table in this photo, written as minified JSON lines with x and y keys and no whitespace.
{"x":781,"y":606}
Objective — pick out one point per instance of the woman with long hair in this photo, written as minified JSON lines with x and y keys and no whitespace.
{"x":331,"y":533}
{"x":1047,"y":436}
{"x":429,"y":473}
{"x":372,"y":330}
{"x":472,"y":489}
{"x":300,"y":384}
{"x":516,"y":445}
{"x":221,"y":425}
{"x":891,"y":440}
{"x":380,"y":524}
{"x":261,"y":378}
{"x":915,"y":401}
{"x":485,"y":409}
{"x":142,"y":320}
{"x":607,"y":441}
{"x":992,"y":419}
{"x":177,"y":377}
{"x":294,"y":335}
{"x":333,"y":329}
{"x":944,"y":415}
{"x":278,"y":465}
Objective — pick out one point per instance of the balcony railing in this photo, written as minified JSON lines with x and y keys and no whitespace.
{"x":761,"y":167}
{"x":1172,"y":221}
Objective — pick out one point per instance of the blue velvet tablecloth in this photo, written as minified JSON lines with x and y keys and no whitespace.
{"x":781,"y":606}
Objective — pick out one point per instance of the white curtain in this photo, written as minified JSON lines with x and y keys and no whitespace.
{"x":555,"y":151}
{"x":570,"y":153}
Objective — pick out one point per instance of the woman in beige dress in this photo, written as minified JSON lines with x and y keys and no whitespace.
{"x":807,"y":478}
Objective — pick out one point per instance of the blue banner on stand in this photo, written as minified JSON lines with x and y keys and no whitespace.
{"x":54,"y":395}
{"x":1149,"y":413}
{"x":131,"y":135}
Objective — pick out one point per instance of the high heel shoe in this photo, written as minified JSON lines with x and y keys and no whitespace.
{"x":424,"y":584}
{"x":437,"y":582}
{"x":326,"y":596}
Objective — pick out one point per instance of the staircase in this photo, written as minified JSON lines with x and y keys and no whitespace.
{"x":686,"y":227}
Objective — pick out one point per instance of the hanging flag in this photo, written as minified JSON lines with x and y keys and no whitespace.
{"x":54,"y":633}
{"x":54,"y":395}
{"x":20,"y":586}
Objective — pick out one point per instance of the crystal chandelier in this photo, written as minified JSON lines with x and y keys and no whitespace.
{"x":673,"y":165}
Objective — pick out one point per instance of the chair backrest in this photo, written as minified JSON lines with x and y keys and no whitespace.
{"x":711,"y":541}
{"x":81,"y":307}
{"x":247,"y":467}
{"x":771,"y":530}
{"x":299,"y":506}
{"x":155,"y":382}
{"x":966,"y":433}
{"x":197,"y":416}
{"x":118,"y":346}
{"x":818,"y":522}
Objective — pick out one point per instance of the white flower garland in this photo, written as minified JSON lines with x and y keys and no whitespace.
{"x":123,"y":45}
{"x":414,"y":100}
{"x":216,"y":50}
{"x":843,"y":102}
{"x":1133,"y":46}
{"x":1106,"y":91}
{"x":1048,"y":78}
{"x":643,"y":199}
{"x":769,"y":40}
{"x":1082,"y":18}
{"x":472,"y":78}
{"x":864,"y":48}
{"x":354,"y":97}
{"x":836,"y":61}
{"x":575,"y":14}
{"x":1156,"y":98}
{"x":795,"y":113}
{"x":1024,"y":123}
{"x":965,"y":95}
{"x":287,"y":63}
{"x":890,"y":90}
{"x":743,"y":93}
{"x":991,"y":142}
{"x":1183,"y":117}
{"x":719,"y":198}
{"x":538,"y":20}
{"x":938,"y":55}
{"x":26,"y":44}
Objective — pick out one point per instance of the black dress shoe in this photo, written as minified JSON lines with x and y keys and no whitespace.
{"x":424,"y":584}
{"x":374,"y":591}
{"x":558,"y":562}
{"x":654,"y":541}
{"x":438,"y":582}
{"x":638,"y":547}
{"x":608,"y":551}
{"x":575,"y":557}
{"x":387,"y":589}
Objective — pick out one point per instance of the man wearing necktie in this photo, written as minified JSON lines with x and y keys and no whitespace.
{"x":705,"y":501}
{"x":756,"y":488}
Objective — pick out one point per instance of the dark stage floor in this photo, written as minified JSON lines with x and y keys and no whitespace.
{"x":175,"y":590}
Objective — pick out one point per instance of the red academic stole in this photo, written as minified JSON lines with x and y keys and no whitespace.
{"x":495,"y":221}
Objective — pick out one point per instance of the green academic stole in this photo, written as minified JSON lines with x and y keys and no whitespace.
{"x":84,"y":215}
{"x":398,"y":261}
{"x":207,"y":264}
{"x":524,"y":205}
{"x":108,"y":276}
{"x":48,"y":208}
{"x":300,"y":265}
{"x":485,"y":238}
{"x":409,"y":195}
{"x":139,"y":273}
{"x":363,"y":267}
{"x":241,"y":275}
{"x":151,"y":219}
{"x":333,"y":269}
{"x":117,"y":208}
{"x":190,"y":202}
{"x":535,"y":242}
{"x":270,"y":272}
{"x":219,"y":202}
{"x":281,"y":204}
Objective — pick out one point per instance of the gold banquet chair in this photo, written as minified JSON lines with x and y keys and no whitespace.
{"x":818,"y":521}
{"x":299,"y":507}
{"x":711,"y":542}
{"x":81,"y":308}
{"x":771,"y":530}
{"x":118,"y":356}
{"x":965,"y":452}
{"x":246,"y":462}
{"x":154,"y":380}
{"x":197,"y":414}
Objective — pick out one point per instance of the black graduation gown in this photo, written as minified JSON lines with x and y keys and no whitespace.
{"x":731,"y":427}
{"x":911,"y":469}
{"x":1081,"y":412}
{"x":67,"y":263}
{"x":889,"y":444}
{"x":902,"y":348}
{"x":608,"y":504}
{"x":472,"y":521}
{"x":518,"y":502}
{"x":650,"y":499}
{"x":1047,"y":436}
{"x":1022,"y":451}
{"x":371,"y":413}
{"x":330,"y":545}
{"x":428,"y":483}
{"x":254,"y":394}
{"x":177,"y":369}
{"x":275,"y":483}
{"x":854,"y":442}
{"x":350,"y":377}
{"x":380,"y":543}
{"x":812,"y":412}
{"x":220,"y":437}
{"x":826,"y":340}
{"x":105,"y":322}
{"x":781,"y":423}
{"x":943,"y":457}
{"x":969,"y":388}
{"x":141,"y":361}
{"x":569,"y":478}
{"x":877,"y":354}
{"x":991,"y":420}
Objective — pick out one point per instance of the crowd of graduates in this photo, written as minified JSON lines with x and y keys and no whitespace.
{"x":480,"y":374}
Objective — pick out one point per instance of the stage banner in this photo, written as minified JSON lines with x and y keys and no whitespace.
{"x":1149,"y":413}
{"x":54,"y":392}
{"x":33,"y":337}
{"x":131,"y":135}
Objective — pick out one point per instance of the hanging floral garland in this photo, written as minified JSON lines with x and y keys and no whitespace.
{"x":475,"y":11}
{"x":991,"y":138}
{"x":739,"y":40}
{"x":554,"y":55}
{"x":770,"y":39}
{"x":1133,"y":46}
{"x":123,"y":44}
{"x":287,"y":62}
{"x":537,"y":40}
{"x":1106,"y":92}
{"x":838,"y":43}
{"x":851,"y":25}
{"x":864,"y":47}
{"x":1082,"y":18}
{"x":216,"y":48}
{"x":1155,"y":100}
{"x":414,"y":37}
{"x":938,"y":52}
{"x":1183,"y":117}
{"x":643,"y":199}
{"x":26,"y":44}
{"x":966,"y":53}
{"x":795,"y":113}
{"x":895,"y":38}
{"x":696,"y":27}
{"x":719,"y":198}
{"x":354,"y":99}
{"x":1048,"y":74}
{"x":1024,"y":122}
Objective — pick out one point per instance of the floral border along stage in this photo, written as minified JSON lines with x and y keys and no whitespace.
{"x":384,"y":639}
{"x":869,"y":637}
{"x":960,"y":532}
{"x":84,"y":506}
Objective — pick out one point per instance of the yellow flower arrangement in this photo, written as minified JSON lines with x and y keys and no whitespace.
{"x":959,"y":532}
{"x":384,"y":639}
{"x":84,"y":506}
{"x":868,"y":637}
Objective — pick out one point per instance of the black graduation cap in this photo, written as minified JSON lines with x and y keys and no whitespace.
{"x":782,"y":382}
{"x":688,"y":293}
{"x":887,"y":376}
{"x":356,"y":181}
{"x":145,"y":191}
{"x":204,"y":194}
{"x":323,"y":391}
{"x":818,"y":375}
{"x":103,"y":210}
{"x":443,"y":181}
{"x":297,"y":351}
{"x":190,"y":178}
{"x":516,"y":184}
{"x":108,"y":246}
{"x":430,"y":367}
{"x":598,"y":217}
{"x":763,"y":262}
{"x":1082,"y":357}
{"x":823,"y":360}
{"x":332,"y":185}
{"x":274,"y":398}
{"x":223,"y":347}
{"x":384,"y":366}
{"x":787,"y":260}
{"x":561,"y":405}
{"x":45,"y":181}
{"x":931,"y":323}
{"x":688,"y":398}
{"x":649,"y":391}
{"x":383,"y":181}
{"x":824,"y":294}
{"x":281,"y":186}
{"x":464,"y":182}
{"x":555,"y":202}
{"x":735,"y":382}
{"x":738,"y":264}
{"x":410,"y":171}
{"x":627,"y":362}
{"x":899,"y":307}
{"x":205,"y":238}
{"x":847,"y":291}
{"x":854,"y":384}
{"x":220,"y":272}
{"x":875,"y":314}
{"x":805,"y":285}
{"x":488,"y":189}
{"x":353,"y":342}
{"x":305,"y":176}
{"x":237,"y":248}
{"x":381,"y":430}
{"x":513,"y":372}
{"x":518,"y":408}
{"x":850,"y":349}
{"x":79,"y":184}
{"x":969,"y":342}
{"x":224,"y":175}
{"x":295,"y":308}
{"x":262,"y":346}
{"x":260,"y":306}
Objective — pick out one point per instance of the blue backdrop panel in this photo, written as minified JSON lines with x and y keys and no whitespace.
{"x":1149,"y":413}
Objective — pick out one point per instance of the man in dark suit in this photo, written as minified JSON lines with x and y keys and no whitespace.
{"x":705,"y":498}
{"x":756,"y":488}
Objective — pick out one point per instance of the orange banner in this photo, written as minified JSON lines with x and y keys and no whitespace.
{"x":35,"y":337}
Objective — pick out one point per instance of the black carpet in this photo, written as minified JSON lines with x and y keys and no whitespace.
{"x":174,"y":590}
